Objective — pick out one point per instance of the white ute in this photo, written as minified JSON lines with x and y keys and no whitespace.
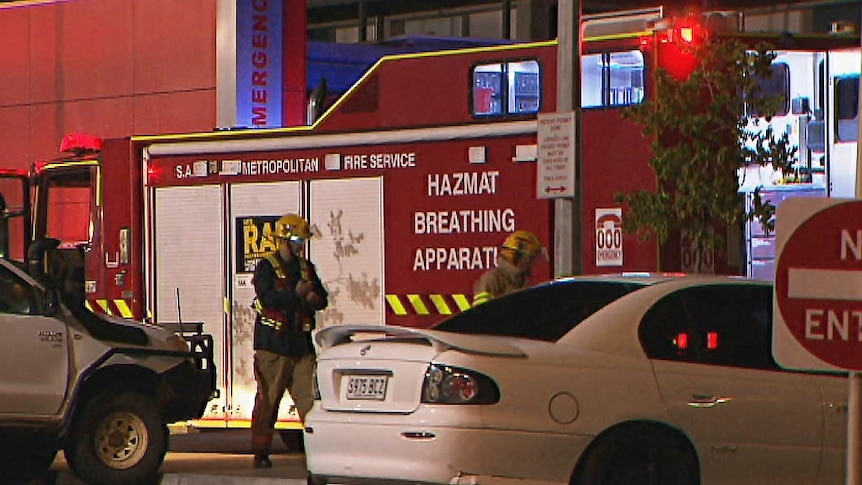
{"x":102,"y":389}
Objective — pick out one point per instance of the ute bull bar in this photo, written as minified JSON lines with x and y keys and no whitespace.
{"x":200,"y":346}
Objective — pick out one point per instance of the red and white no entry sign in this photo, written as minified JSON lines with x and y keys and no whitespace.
{"x":818,"y":284}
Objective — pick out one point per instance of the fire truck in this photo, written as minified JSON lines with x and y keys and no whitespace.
{"x":411,"y":180}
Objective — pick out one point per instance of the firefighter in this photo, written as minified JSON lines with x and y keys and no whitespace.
{"x":288,"y":292}
{"x":517,"y":255}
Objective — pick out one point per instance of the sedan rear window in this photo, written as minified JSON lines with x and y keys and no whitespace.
{"x":545,"y":312}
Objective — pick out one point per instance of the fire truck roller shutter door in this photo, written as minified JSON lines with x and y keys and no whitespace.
{"x":254,"y":210}
{"x":349,"y":254}
{"x":188,"y":251}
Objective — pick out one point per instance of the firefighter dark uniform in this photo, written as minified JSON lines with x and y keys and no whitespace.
{"x":284,"y":356}
{"x":514,"y":264}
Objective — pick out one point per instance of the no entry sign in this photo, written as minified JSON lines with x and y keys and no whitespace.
{"x":818,"y":284}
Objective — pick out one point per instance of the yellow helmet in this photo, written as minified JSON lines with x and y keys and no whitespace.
{"x":291,"y":226}
{"x":523,"y":243}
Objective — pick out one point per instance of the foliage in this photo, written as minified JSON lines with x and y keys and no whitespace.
{"x":704,"y":130}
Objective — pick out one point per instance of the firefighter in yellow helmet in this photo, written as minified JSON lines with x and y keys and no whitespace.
{"x":514,"y":264}
{"x":288,"y":292}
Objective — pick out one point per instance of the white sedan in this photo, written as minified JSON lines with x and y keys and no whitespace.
{"x":673,"y":383}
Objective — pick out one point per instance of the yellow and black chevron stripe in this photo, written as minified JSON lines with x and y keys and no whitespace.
{"x":414,"y":304}
{"x":117,"y":307}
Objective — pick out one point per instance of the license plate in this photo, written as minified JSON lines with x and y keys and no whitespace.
{"x":367,"y":387}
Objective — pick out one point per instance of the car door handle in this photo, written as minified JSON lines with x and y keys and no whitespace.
{"x":838,"y":407}
{"x":706,"y":400}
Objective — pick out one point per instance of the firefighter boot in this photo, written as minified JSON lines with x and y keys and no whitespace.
{"x":262,"y":461}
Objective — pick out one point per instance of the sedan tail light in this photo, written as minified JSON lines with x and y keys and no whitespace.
{"x":450,"y":385}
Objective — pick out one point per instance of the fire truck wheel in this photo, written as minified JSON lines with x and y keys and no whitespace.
{"x":119,"y":438}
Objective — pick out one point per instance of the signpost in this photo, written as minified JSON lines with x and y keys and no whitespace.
{"x":818,"y":297}
{"x":556,"y":167}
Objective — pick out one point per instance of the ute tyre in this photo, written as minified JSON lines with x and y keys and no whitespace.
{"x":118,"y":439}
{"x":639,"y":456}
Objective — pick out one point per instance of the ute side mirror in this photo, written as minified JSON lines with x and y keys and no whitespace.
{"x":51,"y":303}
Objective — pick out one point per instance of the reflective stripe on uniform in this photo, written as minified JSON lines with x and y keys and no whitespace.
{"x":482,"y":297}
{"x":269,"y":322}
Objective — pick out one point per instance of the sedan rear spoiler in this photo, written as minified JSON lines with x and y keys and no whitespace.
{"x":474,"y":344}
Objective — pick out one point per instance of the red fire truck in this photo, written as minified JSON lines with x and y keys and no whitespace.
{"x":411,"y":180}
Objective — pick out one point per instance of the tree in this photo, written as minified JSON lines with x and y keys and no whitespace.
{"x":705,"y":127}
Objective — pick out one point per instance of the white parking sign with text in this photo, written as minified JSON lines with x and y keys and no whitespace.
{"x":609,"y":237}
{"x":556,"y":156}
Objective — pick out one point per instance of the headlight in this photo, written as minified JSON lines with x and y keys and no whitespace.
{"x":451,"y":385}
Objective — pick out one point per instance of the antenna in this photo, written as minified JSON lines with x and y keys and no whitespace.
{"x":179,"y":312}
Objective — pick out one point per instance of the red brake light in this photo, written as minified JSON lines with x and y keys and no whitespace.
{"x":450,"y":385}
{"x":681,"y":341}
{"x":712,"y":340}
{"x":462,"y":386}
{"x":80,"y":143}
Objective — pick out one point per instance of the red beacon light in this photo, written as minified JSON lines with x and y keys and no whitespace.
{"x":154,"y":174}
{"x":685,"y":35}
{"x":80,"y":144}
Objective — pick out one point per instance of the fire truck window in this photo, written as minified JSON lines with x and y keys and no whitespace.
{"x":612,"y":79}
{"x":510,"y":88}
{"x":626,"y":78}
{"x":591,"y":80}
{"x":525,"y":94}
{"x":487,"y":87}
{"x":847,"y":107}
{"x":775,"y":85}
{"x":69,"y":213}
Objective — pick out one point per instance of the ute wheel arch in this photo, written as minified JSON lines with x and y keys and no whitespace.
{"x":119,"y":437}
{"x":126,"y":376}
{"x":118,"y":378}
{"x":671,"y":456}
